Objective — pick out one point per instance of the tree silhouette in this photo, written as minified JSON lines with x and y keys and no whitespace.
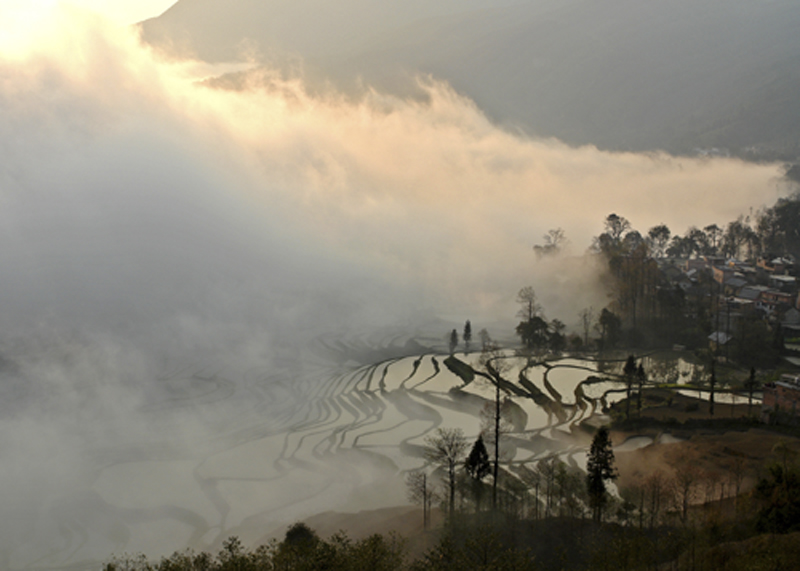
{"x":453,"y":341}
{"x":629,"y":371}
{"x":599,"y":468}
{"x":751,"y":384}
{"x":609,"y":325}
{"x":467,"y":336}
{"x":446,"y":448}
{"x":641,"y":377}
{"x":420,"y":491}
{"x":478,"y":467}
{"x":587,"y":318}
{"x":712,"y":382}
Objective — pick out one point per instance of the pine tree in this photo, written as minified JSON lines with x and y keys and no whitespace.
{"x":478,"y":467}
{"x":453,"y":341}
{"x":467,"y":337}
{"x":599,"y":468}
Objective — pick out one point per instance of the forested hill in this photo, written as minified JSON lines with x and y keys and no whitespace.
{"x":679,"y":75}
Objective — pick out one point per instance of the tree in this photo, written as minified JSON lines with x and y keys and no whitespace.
{"x":485,"y":338}
{"x":447,"y":448}
{"x":696,"y":241}
{"x":533,"y":329}
{"x":533,"y":333}
{"x":738,"y":234}
{"x":629,"y":371}
{"x":779,"y":227}
{"x":751,"y":384}
{"x":610,"y":326}
{"x":641,"y":377}
{"x":712,"y":382}
{"x":713,"y":237}
{"x":478,"y":467}
{"x":420,"y":491}
{"x":658,"y":238}
{"x":529,"y":307}
{"x":657,"y":494}
{"x":467,"y":336}
{"x":684,"y":489}
{"x":546,"y":470}
{"x":453,"y":341}
{"x":616,"y":226}
{"x":599,"y":468}
{"x":494,"y":363}
{"x":587,"y":318}
{"x":557,"y":340}
{"x":553,"y":241}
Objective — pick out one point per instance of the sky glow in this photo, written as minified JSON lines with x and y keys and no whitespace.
{"x":119,"y":12}
{"x":155,"y":229}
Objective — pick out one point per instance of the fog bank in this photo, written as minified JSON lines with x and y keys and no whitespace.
{"x":169,"y":250}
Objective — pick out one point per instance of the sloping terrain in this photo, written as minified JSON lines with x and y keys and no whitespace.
{"x":681,"y":75}
{"x":341,"y":437}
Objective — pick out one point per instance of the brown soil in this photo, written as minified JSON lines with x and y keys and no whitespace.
{"x":714,"y":454}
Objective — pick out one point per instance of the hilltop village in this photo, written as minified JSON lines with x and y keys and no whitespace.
{"x":662,"y":435}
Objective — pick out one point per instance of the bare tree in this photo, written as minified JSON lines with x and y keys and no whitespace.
{"x":684,"y":486}
{"x":737,"y":470}
{"x":712,"y":382}
{"x":616,"y":226}
{"x":532,"y":479}
{"x":656,"y":490}
{"x":587,"y":318}
{"x":751,"y":384}
{"x":712,"y":481}
{"x":547,"y":469}
{"x":485,"y":338}
{"x":447,"y":448}
{"x":553,"y":242}
{"x":421,"y":491}
{"x":527,"y":300}
{"x":493,"y":360}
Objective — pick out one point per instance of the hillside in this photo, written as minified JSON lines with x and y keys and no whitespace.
{"x":626,"y":75}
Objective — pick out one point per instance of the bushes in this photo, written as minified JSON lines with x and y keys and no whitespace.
{"x":301,"y":550}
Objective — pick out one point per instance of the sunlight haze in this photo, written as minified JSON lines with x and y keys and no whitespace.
{"x":217,"y":293}
{"x":121,"y":12}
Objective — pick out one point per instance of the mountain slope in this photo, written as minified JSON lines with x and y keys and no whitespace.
{"x":621,"y":74}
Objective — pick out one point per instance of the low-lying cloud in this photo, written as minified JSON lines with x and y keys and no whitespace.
{"x":152,"y":223}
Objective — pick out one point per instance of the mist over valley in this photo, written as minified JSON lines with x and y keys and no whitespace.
{"x":227,"y":294}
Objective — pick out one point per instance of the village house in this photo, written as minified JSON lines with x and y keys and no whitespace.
{"x":781,"y":398}
{"x":773,"y":300}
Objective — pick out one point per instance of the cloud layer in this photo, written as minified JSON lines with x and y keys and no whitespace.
{"x":151,"y":222}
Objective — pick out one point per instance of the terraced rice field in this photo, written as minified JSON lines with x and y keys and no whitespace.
{"x":338,"y":434}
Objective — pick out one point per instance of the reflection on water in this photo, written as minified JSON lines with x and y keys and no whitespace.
{"x":340,"y":437}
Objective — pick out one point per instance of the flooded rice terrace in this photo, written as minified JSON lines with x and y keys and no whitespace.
{"x":339,"y":433}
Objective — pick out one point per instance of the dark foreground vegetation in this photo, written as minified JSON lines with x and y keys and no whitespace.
{"x":688,"y":521}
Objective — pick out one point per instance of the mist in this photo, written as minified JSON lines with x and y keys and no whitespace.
{"x":162,"y":238}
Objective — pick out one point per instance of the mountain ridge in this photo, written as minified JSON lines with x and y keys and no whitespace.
{"x":621,"y":75}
